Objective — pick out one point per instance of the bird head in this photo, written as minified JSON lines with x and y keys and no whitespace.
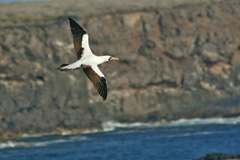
{"x":111,"y":58}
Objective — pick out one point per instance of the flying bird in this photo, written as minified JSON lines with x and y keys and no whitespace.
{"x":87,"y":60}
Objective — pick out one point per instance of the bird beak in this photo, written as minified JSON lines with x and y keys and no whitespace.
{"x":114,"y":59}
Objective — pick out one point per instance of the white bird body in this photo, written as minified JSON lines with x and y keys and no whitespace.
{"x":94,"y":60}
{"x":87,"y":60}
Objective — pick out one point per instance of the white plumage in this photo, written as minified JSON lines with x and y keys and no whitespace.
{"x":87,"y":60}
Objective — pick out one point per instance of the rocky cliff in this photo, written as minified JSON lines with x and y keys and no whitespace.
{"x":178,"y":60}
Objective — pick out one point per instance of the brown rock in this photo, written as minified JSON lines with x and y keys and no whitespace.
{"x":220,"y":68}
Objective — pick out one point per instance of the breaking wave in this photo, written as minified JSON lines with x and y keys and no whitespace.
{"x":190,"y":134}
{"x":206,"y":121}
{"x":14,"y":144}
{"x":112,"y":125}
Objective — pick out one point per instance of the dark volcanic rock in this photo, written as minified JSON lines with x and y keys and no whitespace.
{"x":176,"y":62}
{"x":220,"y":156}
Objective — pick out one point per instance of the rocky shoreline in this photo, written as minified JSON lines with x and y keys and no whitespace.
{"x":220,"y":156}
{"x":177,"y":61}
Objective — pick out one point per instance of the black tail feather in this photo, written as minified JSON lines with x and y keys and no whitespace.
{"x":61,"y":67}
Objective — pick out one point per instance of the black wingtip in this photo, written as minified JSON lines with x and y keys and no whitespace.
{"x":72,"y":21}
{"x":75,"y":27}
{"x":103,"y":91}
{"x":104,"y":98}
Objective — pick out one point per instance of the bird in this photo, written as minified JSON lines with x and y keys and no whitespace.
{"x":87,"y":60}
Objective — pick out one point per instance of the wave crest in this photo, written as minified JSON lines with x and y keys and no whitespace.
{"x":205,"y":121}
{"x":15,"y":144}
{"x":112,"y":125}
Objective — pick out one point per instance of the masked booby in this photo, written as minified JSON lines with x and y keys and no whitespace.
{"x":87,"y":60}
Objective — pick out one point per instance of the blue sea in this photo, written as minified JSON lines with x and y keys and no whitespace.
{"x":180,"y":140}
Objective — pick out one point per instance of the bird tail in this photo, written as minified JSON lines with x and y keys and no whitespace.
{"x":63,"y":67}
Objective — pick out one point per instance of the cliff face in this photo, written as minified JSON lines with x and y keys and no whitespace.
{"x":176,"y":62}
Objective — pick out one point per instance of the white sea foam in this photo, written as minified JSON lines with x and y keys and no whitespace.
{"x":202,"y":121}
{"x":190,"y":134}
{"x":14,"y":144}
{"x":112,"y":125}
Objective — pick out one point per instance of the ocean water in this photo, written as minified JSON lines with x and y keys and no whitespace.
{"x":181,"y":140}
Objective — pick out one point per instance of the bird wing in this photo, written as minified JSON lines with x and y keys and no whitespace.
{"x":80,"y":39}
{"x":98,"y":79}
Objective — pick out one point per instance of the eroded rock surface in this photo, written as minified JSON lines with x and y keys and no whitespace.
{"x":176,"y":62}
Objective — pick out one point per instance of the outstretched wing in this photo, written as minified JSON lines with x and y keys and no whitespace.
{"x":98,"y":79}
{"x":80,"y":39}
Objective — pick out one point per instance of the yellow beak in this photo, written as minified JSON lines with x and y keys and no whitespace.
{"x":114,"y":59}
